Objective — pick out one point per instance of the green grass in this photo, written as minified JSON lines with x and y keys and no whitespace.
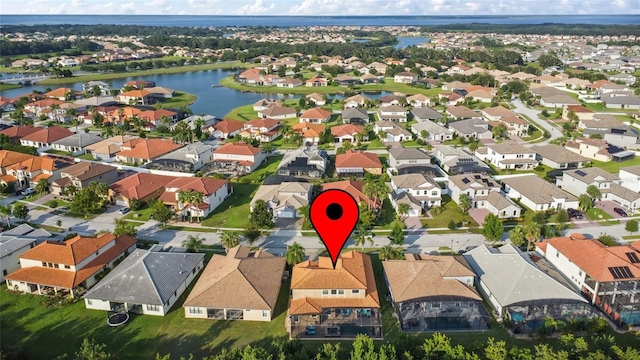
{"x":242,"y":113}
{"x":451,"y":212}
{"x":179,"y":99}
{"x":373,"y":144}
{"x":614,"y":166}
{"x":46,"y":333}
{"x":59,"y":152}
{"x":230,"y":83}
{"x":533,"y":136}
{"x":598,"y":214}
{"x":234,"y":211}
{"x":268,"y":168}
{"x":57,"y":202}
{"x":190,"y":228}
{"x":85,"y":157}
{"x":8,"y":86}
{"x":171,"y":70}
{"x":143,"y":214}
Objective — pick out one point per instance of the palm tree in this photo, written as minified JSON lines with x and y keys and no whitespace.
{"x":376,"y":190}
{"x":193,"y":243}
{"x":403,"y":210}
{"x":230,"y":239}
{"x":363,"y":235}
{"x":100,"y":188}
{"x":594,"y":192}
{"x":531,"y":233}
{"x":585,"y":202}
{"x":389,"y":252}
{"x":54,"y":109}
{"x":295,"y":253}
{"x":42,"y":186}
{"x":71,"y":190}
{"x":6,"y":211}
{"x":517,"y":235}
{"x":304,"y":211}
{"x":107,"y":132}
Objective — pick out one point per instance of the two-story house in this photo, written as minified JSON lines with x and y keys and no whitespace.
{"x":405,"y":160}
{"x":239,"y":156}
{"x":284,"y":199}
{"x":213,"y":193}
{"x":26,"y":170}
{"x":392,"y":113}
{"x":508,"y":155}
{"x":14,"y":242}
{"x":189,"y":158}
{"x":142,"y":151}
{"x":515,"y":125}
{"x":356,"y":163}
{"x":356,"y":101}
{"x":53,"y":267}
{"x":420,"y":192}
{"x":630,"y":177}
{"x":476,"y":186}
{"x":135,"y":97}
{"x":419,"y":101}
{"x":609,"y":276}
{"x":457,"y":161}
{"x":81,"y":174}
{"x":392,"y":132}
{"x":266,"y":130}
{"x":315,"y":116}
{"x":405,"y":77}
{"x":310,"y":132}
{"x":310,"y":163}
{"x":334,"y":301}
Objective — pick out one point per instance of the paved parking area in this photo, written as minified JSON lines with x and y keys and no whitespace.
{"x":607,"y":206}
{"x":413,"y":223}
{"x":478,"y":215}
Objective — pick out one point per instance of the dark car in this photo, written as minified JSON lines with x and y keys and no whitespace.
{"x":620,"y":211}
{"x":573,"y":213}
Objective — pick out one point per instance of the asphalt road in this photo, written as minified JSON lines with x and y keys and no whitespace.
{"x":533,"y":114}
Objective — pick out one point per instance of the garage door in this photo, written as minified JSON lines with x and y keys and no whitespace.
{"x":287,"y":213}
{"x":121,"y":203}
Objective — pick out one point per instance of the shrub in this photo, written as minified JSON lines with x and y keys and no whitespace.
{"x":53,"y":204}
{"x":70,"y":236}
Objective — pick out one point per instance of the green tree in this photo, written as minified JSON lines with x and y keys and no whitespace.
{"x":304,"y":211}
{"x":363,"y":234}
{"x":252,"y":233}
{"x":464,"y":203}
{"x":389,"y":252}
{"x":594,"y":192}
{"x":193,"y":243}
{"x":295,"y":253}
{"x":495,"y":350}
{"x":631,"y":226}
{"x":367,"y":216}
{"x":375,"y":190}
{"x":585,"y":202}
{"x":6,"y":211}
{"x":90,"y":350}
{"x":531,"y":233}
{"x":363,"y":348}
{"x":492,"y":228}
{"x":261,"y":216}
{"x":397,"y":233}
{"x":161,"y":212}
{"x":124,"y":227}
{"x":230,"y":239}
{"x":403,"y":210}
{"x":452,"y":225}
{"x":42,"y":186}
{"x":517,"y":235}
{"x":20,"y":211}
{"x":86,"y":201}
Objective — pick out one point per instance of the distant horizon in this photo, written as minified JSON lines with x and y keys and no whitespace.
{"x":333,"y":16}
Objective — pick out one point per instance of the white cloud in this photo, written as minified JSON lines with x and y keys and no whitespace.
{"x":257,"y":8}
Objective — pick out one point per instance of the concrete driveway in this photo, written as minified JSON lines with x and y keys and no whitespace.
{"x":478,"y":215}
{"x":413,"y":223}
{"x":608,"y":206}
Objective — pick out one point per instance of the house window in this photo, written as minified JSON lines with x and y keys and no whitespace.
{"x":434,"y":193}
{"x":97,"y":252}
{"x":557,"y":254}
{"x":89,"y":302}
{"x":67,"y":267}
{"x":334,"y":291}
{"x":579,"y":273}
{"x":50,"y":265}
{"x":325,"y":292}
{"x":456,"y":304}
{"x":194,"y":310}
{"x":435,"y":304}
{"x":341,"y":292}
{"x":193,"y":271}
{"x":4,"y":272}
{"x":44,"y":264}
{"x":56,"y":266}
{"x":153,"y":308}
{"x":265,"y":313}
{"x":355,"y":291}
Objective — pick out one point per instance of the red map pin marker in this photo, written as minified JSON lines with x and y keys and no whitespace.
{"x":334,"y":214}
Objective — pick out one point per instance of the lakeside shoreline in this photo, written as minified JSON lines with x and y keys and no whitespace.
{"x":137,"y":73}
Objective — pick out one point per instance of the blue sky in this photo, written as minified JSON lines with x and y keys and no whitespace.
{"x":323,"y":7}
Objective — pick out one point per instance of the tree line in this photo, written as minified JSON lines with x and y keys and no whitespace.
{"x":13,"y":48}
{"x":546,"y":28}
{"x":109,"y":29}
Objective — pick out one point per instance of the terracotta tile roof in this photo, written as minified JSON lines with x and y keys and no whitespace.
{"x":358,"y":159}
{"x":238,"y":148}
{"x":205,"y":185}
{"x":135,"y":93}
{"x":316,"y":113}
{"x":71,"y":252}
{"x":18,"y":132}
{"x":239,"y":280}
{"x":353,"y":271}
{"x":8,"y":158}
{"x":60,"y":92}
{"x":595,"y":258}
{"x":346,"y":129}
{"x":354,"y":188}
{"x":579,"y":109}
{"x":140,"y":185}
{"x":228,"y":126}
{"x":266,"y":123}
{"x":148,"y":148}
{"x":428,"y":276}
{"x":48,"y":135}
{"x":45,"y":103}
{"x":309,"y":130}
{"x":35,"y":163}
{"x":69,"y":279}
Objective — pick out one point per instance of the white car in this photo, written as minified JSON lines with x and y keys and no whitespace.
{"x":28,"y":191}
{"x":124,"y":210}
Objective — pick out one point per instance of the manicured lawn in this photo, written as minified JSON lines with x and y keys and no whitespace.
{"x":268,"y":168}
{"x":55,"y":203}
{"x":179,"y":99}
{"x":533,"y":136}
{"x":598,"y":214}
{"x":189,"y":228}
{"x":143,"y":214}
{"x":59,"y":152}
{"x":373,"y":144}
{"x":234,"y":211}
{"x":86,"y":157}
{"x":387,"y":217}
{"x":242,"y":113}
{"x":46,"y":333}
{"x":8,"y":86}
{"x":230,"y":83}
{"x":451,"y":212}
{"x":614,"y":166}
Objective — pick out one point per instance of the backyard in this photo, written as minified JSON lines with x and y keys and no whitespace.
{"x":234,"y":211}
{"x":449,"y":212}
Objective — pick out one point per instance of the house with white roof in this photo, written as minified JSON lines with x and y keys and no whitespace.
{"x":537,"y":194}
{"x":419,"y":191}
{"x":508,"y":155}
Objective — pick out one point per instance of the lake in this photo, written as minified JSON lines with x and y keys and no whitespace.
{"x":212,"y":101}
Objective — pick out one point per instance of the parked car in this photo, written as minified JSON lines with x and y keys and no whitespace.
{"x":28,"y":191}
{"x":124,"y":210}
{"x":620,"y":211}
{"x":573,"y":213}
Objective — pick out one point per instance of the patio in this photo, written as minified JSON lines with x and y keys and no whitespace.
{"x":530,"y":318}
{"x":343,"y":323}
{"x":443,"y":315}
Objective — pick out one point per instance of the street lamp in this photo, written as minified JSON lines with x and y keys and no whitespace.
{"x":451,"y":247}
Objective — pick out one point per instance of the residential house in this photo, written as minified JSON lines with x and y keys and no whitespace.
{"x":7,"y":105}
{"x":457,"y":161}
{"x":558,"y":101}
{"x":379,"y":67}
{"x":315,"y":116}
{"x":581,"y":112}
{"x":521,"y":293}
{"x":26,"y":170}
{"x":309,"y":132}
{"x":15,"y":242}
{"x":630,"y":177}
{"x":80,"y":174}
{"x":434,"y":293}
{"x":392,"y":132}
{"x":621,"y":100}
{"x":317,"y":80}
{"x":356,"y":101}
{"x":595,"y":149}
{"x":421,"y":114}
{"x":76,"y":143}
{"x":241,"y":285}
{"x":460,"y":112}
{"x":347,"y":133}
{"x":434,"y":132}
{"x":500,"y":205}
{"x":44,"y":107}
{"x":188,"y":159}
{"x":265,"y":130}
{"x":355,"y":189}
{"x":601,"y":122}
{"x":455,"y":85}
{"x":401,"y":158}
{"x":317,"y":99}
{"x":484,"y":95}
{"x":508,"y":155}
{"x":289,"y":82}
{"x":103,"y":88}
{"x":537,"y":194}
{"x":226,"y":128}
{"x":558,"y":157}
{"x":515,"y":125}
{"x":356,"y":163}
{"x":276,"y":111}
{"x":345,"y":80}
{"x":45,"y":137}
{"x":355,"y":116}
{"x":392,"y":113}
{"x":63,"y":94}
{"x":264,"y":104}
{"x":419,"y":101}
{"x":142,"y":151}
{"x":51,"y":267}
{"x":214,"y":192}
{"x":107,"y":149}
{"x":471,"y":129}
{"x":420,"y":192}
{"x":405,"y":77}
{"x":15,"y":133}
{"x":284,"y":199}
{"x":389,"y":100}
{"x":135,"y":97}
{"x":476,"y":186}
{"x":205,"y":121}
{"x":609,"y":276}
{"x":139,"y":84}
{"x":146,"y":282}
{"x":302,"y":162}
{"x":143,"y":187}
{"x":238,"y":156}
{"x":161,"y":93}
{"x":628,"y":79}
{"x":335,"y":301}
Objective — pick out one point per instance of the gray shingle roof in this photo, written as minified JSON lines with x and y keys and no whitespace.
{"x":146,"y":277}
{"x":426,"y":113}
{"x":403,"y":153}
{"x":536,"y":189}
{"x":558,"y":154}
{"x":74,"y":140}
